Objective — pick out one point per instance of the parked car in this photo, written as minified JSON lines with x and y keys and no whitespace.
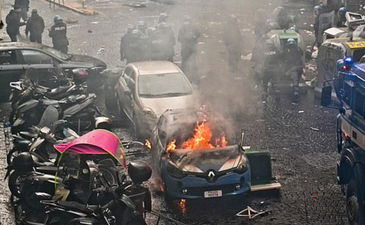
{"x":197,"y":173}
{"x":146,"y":89}
{"x":16,"y":57}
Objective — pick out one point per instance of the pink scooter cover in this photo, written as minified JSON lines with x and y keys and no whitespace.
{"x":95,"y":142}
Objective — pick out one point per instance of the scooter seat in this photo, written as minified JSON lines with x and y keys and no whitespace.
{"x":27,"y":135}
{"x":78,"y":206}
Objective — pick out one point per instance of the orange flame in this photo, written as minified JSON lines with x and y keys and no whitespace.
{"x":182,"y":206}
{"x":202,"y":139}
{"x":148,"y":144}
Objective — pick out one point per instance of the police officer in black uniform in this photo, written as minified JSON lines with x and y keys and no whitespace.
{"x":294,"y":65}
{"x":58,"y":33}
{"x":232,"y":38}
{"x":124,"y":42}
{"x":13,"y":23}
{"x":270,"y":71}
{"x":35,"y":27}
{"x":188,"y":37}
{"x":166,"y":34}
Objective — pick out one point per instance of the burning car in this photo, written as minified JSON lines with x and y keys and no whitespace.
{"x":194,"y":157}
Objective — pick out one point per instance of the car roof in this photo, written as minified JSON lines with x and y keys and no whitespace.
{"x":155,"y":67}
{"x":19,"y":45}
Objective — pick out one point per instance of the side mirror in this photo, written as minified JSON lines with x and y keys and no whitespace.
{"x":326,"y":97}
{"x":139,"y":172}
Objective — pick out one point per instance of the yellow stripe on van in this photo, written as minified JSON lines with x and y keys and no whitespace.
{"x":354,"y":45}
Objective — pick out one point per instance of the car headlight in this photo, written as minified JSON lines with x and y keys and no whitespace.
{"x":149,"y":113}
{"x":175,"y":172}
{"x":242,"y":166}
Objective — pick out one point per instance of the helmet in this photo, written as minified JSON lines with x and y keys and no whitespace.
{"x":318,"y":9}
{"x":342,"y":12}
{"x":57,"y":19}
{"x":23,"y":161}
{"x":291,"y":42}
{"x":34,"y":11}
{"x":279,"y":11}
{"x":103,"y":122}
{"x":130,"y":28}
{"x":141,"y":25}
{"x":162,"y":17}
{"x":294,"y":28}
{"x":137,"y":34}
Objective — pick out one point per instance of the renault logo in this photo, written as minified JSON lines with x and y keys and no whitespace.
{"x":211,"y":175}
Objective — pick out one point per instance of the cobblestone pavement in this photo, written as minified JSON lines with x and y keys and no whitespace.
{"x":301,"y":138}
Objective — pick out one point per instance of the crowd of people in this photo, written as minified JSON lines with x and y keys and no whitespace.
{"x":34,"y":26}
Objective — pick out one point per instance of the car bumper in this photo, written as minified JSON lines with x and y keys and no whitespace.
{"x":192,"y":187}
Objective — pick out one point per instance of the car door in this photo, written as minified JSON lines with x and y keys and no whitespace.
{"x":123,"y":91}
{"x":43,"y":65}
{"x":11,"y":68}
{"x":131,"y":107}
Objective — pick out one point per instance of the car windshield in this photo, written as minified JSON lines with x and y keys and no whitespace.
{"x":56,"y":53}
{"x":163,"y":85}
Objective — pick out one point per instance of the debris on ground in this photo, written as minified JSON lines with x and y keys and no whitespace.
{"x":247,"y":57}
{"x":314,"y":129}
{"x":135,"y":5}
{"x":250,"y":213}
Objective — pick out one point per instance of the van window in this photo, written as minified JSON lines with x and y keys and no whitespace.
{"x":347,"y":97}
{"x":359,"y":103}
{"x":358,"y":53}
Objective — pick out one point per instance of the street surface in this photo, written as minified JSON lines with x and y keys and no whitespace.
{"x":301,"y":138}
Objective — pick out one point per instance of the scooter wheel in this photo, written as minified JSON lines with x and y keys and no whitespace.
{"x":15,"y":184}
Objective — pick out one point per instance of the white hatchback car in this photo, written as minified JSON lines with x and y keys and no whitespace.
{"x":147,"y":89}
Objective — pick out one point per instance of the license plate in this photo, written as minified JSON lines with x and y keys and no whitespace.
{"x":212,"y":194}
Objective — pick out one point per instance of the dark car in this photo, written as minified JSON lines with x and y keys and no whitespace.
{"x":17,"y":57}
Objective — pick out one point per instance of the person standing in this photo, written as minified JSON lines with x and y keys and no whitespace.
{"x":13,"y":23}
{"x":35,"y":26}
{"x":125,"y":41}
{"x":58,"y":33}
{"x":188,"y":37}
{"x":269,"y":70}
{"x":24,"y":6}
{"x":232,"y":38}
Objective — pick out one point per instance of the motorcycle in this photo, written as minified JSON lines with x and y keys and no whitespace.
{"x":88,"y":164}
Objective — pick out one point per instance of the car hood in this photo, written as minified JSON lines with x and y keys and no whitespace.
{"x":160,"y":105}
{"x":202,"y":161}
{"x":87,"y":60}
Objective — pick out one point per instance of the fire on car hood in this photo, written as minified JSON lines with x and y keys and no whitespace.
{"x":203,"y":160}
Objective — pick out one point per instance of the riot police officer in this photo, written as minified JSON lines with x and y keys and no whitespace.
{"x":35,"y":27}
{"x":341,"y":18}
{"x":188,"y":37}
{"x":134,"y":48}
{"x":269,"y":71}
{"x":318,"y":10}
{"x":166,"y":34}
{"x":58,"y":33}
{"x":294,"y":65}
{"x":232,"y":38}
{"x":125,"y":41}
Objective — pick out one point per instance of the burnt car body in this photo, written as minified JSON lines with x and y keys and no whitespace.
{"x":146,"y":89}
{"x":200,"y":173}
{"x":17,"y":57}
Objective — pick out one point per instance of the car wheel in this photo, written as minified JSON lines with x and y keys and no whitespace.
{"x":354,"y":204}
